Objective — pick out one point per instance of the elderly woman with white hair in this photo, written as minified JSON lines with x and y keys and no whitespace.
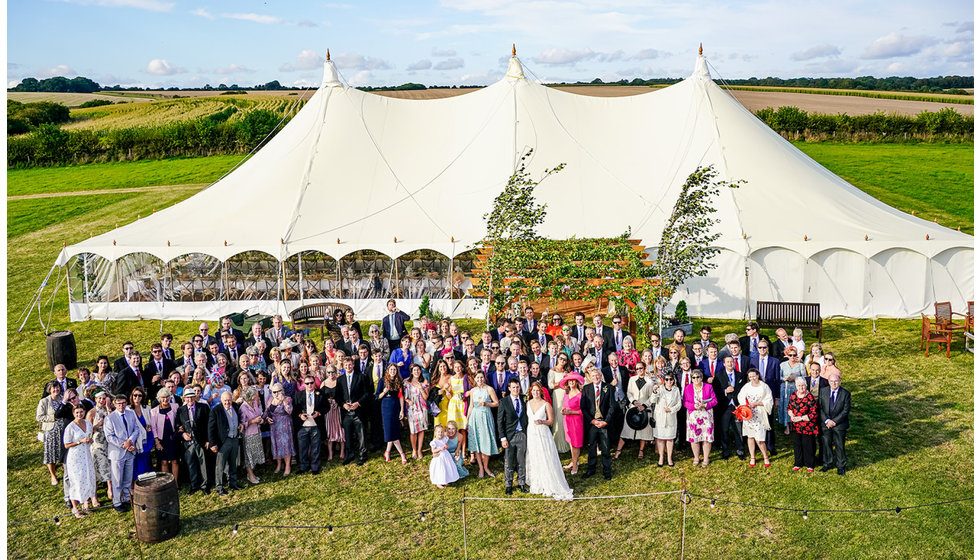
{"x":250,"y":415}
{"x":163,"y":419}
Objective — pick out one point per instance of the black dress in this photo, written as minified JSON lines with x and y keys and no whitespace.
{"x":169,"y":442}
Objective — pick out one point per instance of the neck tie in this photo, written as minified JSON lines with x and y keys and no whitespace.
{"x":597,"y":387}
{"x":500,"y":379}
{"x":517,"y":407}
{"x":712,"y":369}
{"x":833,"y":398}
{"x":125,"y":424}
{"x":736,"y":364}
{"x":192,"y":416}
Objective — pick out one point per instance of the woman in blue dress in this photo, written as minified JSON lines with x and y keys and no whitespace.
{"x":390,"y":395}
{"x":137,"y":401}
{"x":452,"y":433}
{"x":402,"y":357}
{"x":481,"y":435}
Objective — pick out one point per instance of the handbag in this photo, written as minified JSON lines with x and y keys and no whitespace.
{"x":40,"y":437}
{"x":434,"y":409}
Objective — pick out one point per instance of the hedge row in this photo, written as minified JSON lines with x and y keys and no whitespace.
{"x":211,"y":135}
{"x":928,"y":126}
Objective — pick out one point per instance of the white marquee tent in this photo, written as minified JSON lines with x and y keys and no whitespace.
{"x":361,"y":196}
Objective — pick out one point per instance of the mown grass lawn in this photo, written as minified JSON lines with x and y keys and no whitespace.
{"x":911,"y":442}
{"x":933,"y":180}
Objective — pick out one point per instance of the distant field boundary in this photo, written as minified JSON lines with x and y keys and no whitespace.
{"x":859,"y":93}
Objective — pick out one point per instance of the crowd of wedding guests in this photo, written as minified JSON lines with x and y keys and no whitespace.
{"x":222,"y":403}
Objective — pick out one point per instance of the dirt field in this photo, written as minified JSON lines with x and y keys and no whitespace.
{"x":753,"y":100}
{"x":68,"y":99}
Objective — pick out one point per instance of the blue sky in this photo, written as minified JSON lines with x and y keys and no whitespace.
{"x":163,"y":43}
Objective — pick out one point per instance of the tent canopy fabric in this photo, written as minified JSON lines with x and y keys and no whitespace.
{"x":354,"y":170}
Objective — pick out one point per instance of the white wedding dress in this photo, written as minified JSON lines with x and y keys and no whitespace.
{"x":544,"y":472}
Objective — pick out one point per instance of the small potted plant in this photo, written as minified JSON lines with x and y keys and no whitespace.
{"x":680,"y":320}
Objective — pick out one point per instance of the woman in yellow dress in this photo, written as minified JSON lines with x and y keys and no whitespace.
{"x":458,"y":386}
{"x":440,"y":379}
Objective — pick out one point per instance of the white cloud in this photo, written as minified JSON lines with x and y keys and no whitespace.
{"x":233,"y":69}
{"x":646,"y":54}
{"x":895,"y":44}
{"x":305,"y":60}
{"x":359,"y":62}
{"x":450,"y":64}
{"x":362,"y":78}
{"x":818,"y":51}
{"x":161,"y":67}
{"x":423,"y":64}
{"x":966,"y":26}
{"x":307,"y":23}
{"x":257,"y":18}
{"x":59,"y":70}
{"x":151,"y":5}
{"x":479,"y":78}
{"x":560,"y":57}
{"x":202,"y":12}
{"x":443,"y":52}
{"x":13,"y":84}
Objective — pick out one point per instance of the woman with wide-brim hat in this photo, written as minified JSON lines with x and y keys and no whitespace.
{"x":571,"y":410}
{"x":637,"y":425}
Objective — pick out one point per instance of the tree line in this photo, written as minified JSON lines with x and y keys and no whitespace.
{"x":928,"y":126}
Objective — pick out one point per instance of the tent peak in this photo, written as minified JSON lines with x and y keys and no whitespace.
{"x":515,"y":69}
{"x":700,"y":50}
{"x":330,"y":76}
{"x":701,"y":68}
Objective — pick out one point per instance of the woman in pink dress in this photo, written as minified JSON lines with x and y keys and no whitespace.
{"x":572,"y":416}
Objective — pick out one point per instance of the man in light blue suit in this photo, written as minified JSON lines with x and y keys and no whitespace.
{"x":122,"y":431}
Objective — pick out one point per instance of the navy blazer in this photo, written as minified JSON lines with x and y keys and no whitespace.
{"x":397,"y":330}
{"x":492,"y":381}
{"x":771,"y":376}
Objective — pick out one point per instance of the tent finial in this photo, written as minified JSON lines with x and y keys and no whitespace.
{"x":328,"y":54}
{"x":700,"y":50}
{"x":513,"y":49}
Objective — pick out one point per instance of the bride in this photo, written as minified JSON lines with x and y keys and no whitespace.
{"x":544,"y":472}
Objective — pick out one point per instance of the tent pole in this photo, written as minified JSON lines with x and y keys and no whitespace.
{"x":26,"y":314}
{"x":299,"y":257}
{"x":747,"y":311}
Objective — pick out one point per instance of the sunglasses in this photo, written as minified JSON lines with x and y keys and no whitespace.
{"x":128,"y":349}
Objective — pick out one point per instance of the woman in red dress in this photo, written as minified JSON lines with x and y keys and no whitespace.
{"x":802,"y":410}
{"x":572,"y":416}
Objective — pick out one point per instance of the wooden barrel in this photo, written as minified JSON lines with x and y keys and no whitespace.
{"x":156,"y":508}
{"x":61,"y":349}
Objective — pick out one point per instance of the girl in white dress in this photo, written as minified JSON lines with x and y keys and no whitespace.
{"x":757,"y":396}
{"x":544,"y":472}
{"x":79,"y":467}
{"x":442,"y":469}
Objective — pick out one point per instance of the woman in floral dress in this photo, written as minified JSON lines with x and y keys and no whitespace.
{"x":416,"y":394}
{"x":699,"y":399}
{"x":279,"y":413}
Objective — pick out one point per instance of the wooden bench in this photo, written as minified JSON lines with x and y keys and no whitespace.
{"x":318,"y":315}
{"x":775,"y":314}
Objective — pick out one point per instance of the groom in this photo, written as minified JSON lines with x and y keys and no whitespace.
{"x":597,"y":411}
{"x":512,"y":427}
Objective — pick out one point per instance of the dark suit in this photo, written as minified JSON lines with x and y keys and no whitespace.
{"x":232,"y":356}
{"x":609,"y":339}
{"x":239,"y":336}
{"x":779,"y":347}
{"x":603,"y":356}
{"x":127,"y":380}
{"x":358,"y":391}
{"x":69,"y":384}
{"x":725,"y":412}
{"x":833,"y":438}
{"x":493,"y":380}
{"x":120,"y":364}
{"x":528,"y":337}
{"x":745,"y":343}
{"x":598,"y":438}
{"x":706,"y":365}
{"x":393,"y":327}
{"x":771,"y":378}
{"x":194,"y":455}
{"x":226,"y":464}
{"x":308,"y":438}
{"x":507,"y":429}
{"x":375,"y":429}
{"x":623,"y":384}
{"x":180,"y":364}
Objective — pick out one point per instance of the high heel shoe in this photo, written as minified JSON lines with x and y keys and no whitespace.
{"x":765,"y":464}
{"x":752,"y":463}
{"x":404,"y":460}
{"x":387,"y":457}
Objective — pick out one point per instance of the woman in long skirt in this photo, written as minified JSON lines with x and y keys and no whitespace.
{"x":78,"y":462}
{"x":279,"y":413}
{"x":335,"y":431}
{"x":250,"y":415}
{"x":416,"y":395}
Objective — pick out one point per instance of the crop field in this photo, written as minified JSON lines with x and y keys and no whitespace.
{"x":156,"y":113}
{"x":72,"y":99}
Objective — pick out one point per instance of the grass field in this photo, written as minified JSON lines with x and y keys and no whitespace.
{"x":98,"y":176}
{"x":933,"y":180}
{"x":911,"y":442}
{"x":159,"y":112}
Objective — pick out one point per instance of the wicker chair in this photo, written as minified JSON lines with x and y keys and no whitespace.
{"x":934,"y":332}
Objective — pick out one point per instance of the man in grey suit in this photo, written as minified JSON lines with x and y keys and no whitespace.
{"x":122,"y":430}
{"x":512,"y":427}
{"x":835,"y":409}
{"x":224,"y":433}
